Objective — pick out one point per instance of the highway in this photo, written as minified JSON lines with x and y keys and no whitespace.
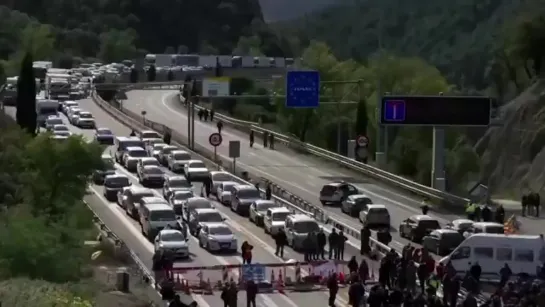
{"x":302,"y":175}
{"x":129,"y":231}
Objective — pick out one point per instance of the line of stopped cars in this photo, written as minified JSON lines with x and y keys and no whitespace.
{"x":171,"y":210}
{"x":75,"y":115}
{"x":419,"y":228}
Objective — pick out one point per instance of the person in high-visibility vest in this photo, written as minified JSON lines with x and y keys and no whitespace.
{"x":470,"y":210}
{"x":433,"y":284}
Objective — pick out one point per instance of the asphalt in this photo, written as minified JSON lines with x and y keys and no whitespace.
{"x":129,"y":231}
{"x":300,"y":174}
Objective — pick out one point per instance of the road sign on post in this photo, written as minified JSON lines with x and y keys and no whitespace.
{"x":436,"y":110}
{"x":234,"y":152}
{"x":362,"y":141}
{"x":215,"y":140}
{"x":303,"y":89}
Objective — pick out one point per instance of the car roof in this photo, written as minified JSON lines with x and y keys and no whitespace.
{"x":336,"y":183}
{"x":245,"y":187}
{"x":206,"y":210}
{"x":485,"y":224}
{"x":422,"y":217}
{"x":167,"y":231}
{"x":230,"y":182}
{"x":154,"y":199}
{"x":116,"y":175}
{"x":183,"y":192}
{"x":148,"y":159}
{"x":198,"y":198}
{"x":219,"y":172}
{"x":60,"y":125}
{"x":301,"y":217}
{"x":462,"y":221}
{"x":279,"y":209}
{"x":170,"y":146}
{"x":217,"y":225}
{"x":141,"y":190}
{"x":134,"y":148}
{"x":446,"y":230}
{"x":148,"y":131}
{"x":103,"y":129}
{"x":376,"y":206}
{"x":179,"y":151}
{"x":159,"y":206}
{"x":150,"y":166}
{"x":264,"y":201}
{"x":358,"y":196}
{"x":84,"y":112}
{"x":169,"y":178}
{"x":194,"y":160}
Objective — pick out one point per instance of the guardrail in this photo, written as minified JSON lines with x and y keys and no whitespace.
{"x":371,"y":171}
{"x":135,"y":121}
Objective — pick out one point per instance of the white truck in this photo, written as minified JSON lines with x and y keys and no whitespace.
{"x":44,"y":109}
{"x":58,"y":85}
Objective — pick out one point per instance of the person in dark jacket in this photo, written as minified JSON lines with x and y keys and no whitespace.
{"x":333,"y":287}
{"x":265,"y":139}
{"x":281,"y":240}
{"x":356,"y":293}
{"x":524,"y":204}
{"x":205,"y":115}
{"x":220,"y":126}
{"x":505,"y":274}
{"x":246,"y":249}
{"x":167,"y":137}
{"x":476,"y":271}
{"x":353,"y":265}
{"x":321,"y":242}
{"x":486,"y":214}
{"x":200,"y":114}
{"x":332,"y":239}
{"x":384,"y":236}
{"x":132,"y":133}
{"x":212,"y":113}
{"x":225,"y":295}
{"x":340,"y":245}
{"x":176,"y":302}
{"x":167,"y":290}
{"x":470,"y":301}
{"x":365,"y":236}
{"x":208,"y":186}
{"x":252,"y":138}
{"x":158,"y":267}
{"x":233,"y":294}
{"x":251,"y":293}
{"x":268,"y":192}
{"x":271,"y":141}
{"x":499,"y":215}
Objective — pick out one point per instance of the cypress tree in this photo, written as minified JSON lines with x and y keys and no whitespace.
{"x":219,"y":70}
{"x":134,"y":75}
{"x":26,"y":96}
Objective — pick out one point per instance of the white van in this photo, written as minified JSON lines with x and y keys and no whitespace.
{"x":523,"y":254}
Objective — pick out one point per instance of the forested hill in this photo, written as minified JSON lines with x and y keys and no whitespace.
{"x":278,"y":10}
{"x":458,"y":36}
{"x":155,"y":25}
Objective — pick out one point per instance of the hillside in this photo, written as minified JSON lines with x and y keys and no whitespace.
{"x":459,"y":37}
{"x":281,"y":10}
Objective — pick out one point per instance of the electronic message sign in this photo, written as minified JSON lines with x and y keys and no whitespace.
{"x":435,"y":111}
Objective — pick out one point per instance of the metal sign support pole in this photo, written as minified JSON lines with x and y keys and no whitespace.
{"x":192,"y":126}
{"x":438,"y":162}
{"x":234,"y":165}
{"x":216,"y":154}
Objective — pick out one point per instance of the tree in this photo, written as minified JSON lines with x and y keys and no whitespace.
{"x":529,"y":41}
{"x":134,"y":75}
{"x":152,"y":72}
{"x":26,"y":96}
{"x":360,"y":126}
{"x":117,"y":45}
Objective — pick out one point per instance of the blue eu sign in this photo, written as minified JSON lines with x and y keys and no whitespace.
{"x":303,"y":89}
{"x":394,"y":110}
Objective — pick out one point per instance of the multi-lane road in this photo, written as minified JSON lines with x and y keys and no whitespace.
{"x":129,"y":231}
{"x":302,"y":175}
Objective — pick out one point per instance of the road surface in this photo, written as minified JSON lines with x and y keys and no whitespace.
{"x":300,"y":174}
{"x":129,"y":231}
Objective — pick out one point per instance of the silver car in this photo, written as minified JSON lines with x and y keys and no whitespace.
{"x":151,"y":175}
{"x":155,"y":150}
{"x":259,"y":208}
{"x":216,"y":237}
{"x":218,"y":177}
{"x":375,"y":216}
{"x":196,"y":203}
{"x":173,"y":242}
{"x":178,"y":200}
{"x":353,"y":204}
{"x":224,"y":190}
{"x":177,"y":159}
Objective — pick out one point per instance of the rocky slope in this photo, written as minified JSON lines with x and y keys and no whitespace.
{"x":513,"y":155}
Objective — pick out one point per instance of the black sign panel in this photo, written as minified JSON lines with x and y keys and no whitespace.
{"x":435,"y":110}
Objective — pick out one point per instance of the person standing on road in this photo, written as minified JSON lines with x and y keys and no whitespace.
{"x":212,"y":113}
{"x":205,"y":115}
{"x":365,"y":235}
{"x":524,"y":204}
{"x":251,"y":293}
{"x":268,"y":191}
{"x":281,"y":240}
{"x":340,"y":246}
{"x":220,"y":126}
{"x":265,"y":139}
{"x":332,"y":239}
{"x":271,"y":141}
{"x":333,"y":287}
{"x":251,"y":138}
{"x":322,"y":240}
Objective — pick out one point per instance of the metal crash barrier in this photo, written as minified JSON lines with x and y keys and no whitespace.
{"x":291,"y":276}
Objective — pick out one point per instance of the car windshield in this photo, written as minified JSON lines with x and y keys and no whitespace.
{"x":132,"y":143}
{"x":305,"y":227}
{"x":166,"y":150}
{"x":172,"y":237}
{"x":153,"y":171}
{"x":179,"y":183}
{"x":452,"y":239}
{"x":152,"y":161}
{"x":378,"y":211}
{"x":202,"y":204}
{"x":181,"y":156}
{"x":210,"y":217}
{"x":85,"y":115}
{"x":280,"y":216}
{"x":104,"y":132}
{"x":182,"y":196}
{"x":61,"y":128}
{"x":197,"y":165}
{"x":264,"y":205}
{"x":495,"y":229}
{"x":138,"y":153}
{"x":464,"y":226}
{"x":162,"y":215}
{"x":248,"y":193}
{"x":229,"y":187}
{"x":429,"y":224}
{"x":54,"y":121}
{"x":220,"y":231}
{"x":117,"y":182}
{"x":221,"y":177}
